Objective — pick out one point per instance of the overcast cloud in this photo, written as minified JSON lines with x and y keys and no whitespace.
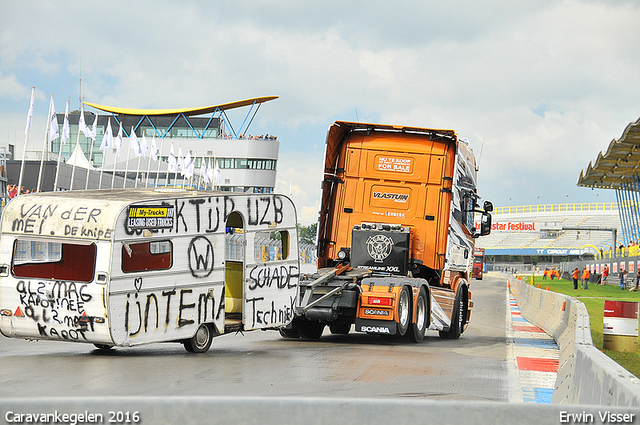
{"x":539,"y":87}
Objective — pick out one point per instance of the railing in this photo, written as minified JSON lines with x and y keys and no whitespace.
{"x":551,"y":208}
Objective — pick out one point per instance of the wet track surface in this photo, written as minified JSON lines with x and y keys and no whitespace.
{"x":262,"y":363}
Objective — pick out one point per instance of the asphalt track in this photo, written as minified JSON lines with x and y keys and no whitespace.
{"x":480,"y":366}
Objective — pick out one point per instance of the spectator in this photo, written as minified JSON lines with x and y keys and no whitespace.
{"x":621,"y":276}
{"x":585,"y":277}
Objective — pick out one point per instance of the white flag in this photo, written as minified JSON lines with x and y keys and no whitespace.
{"x":94,"y":128}
{"x":173,"y":164}
{"x":180,"y":159}
{"x":65,"y":126}
{"x":203,"y":171}
{"x":188,"y":172}
{"x":107,"y":139}
{"x":210,"y":172}
{"x":54,"y":131}
{"x":135,"y":144}
{"x":217,"y":176}
{"x":144,"y":146}
{"x":82,"y":126}
{"x":118,"y":141}
{"x":154,"y":149}
{"x":29,"y":114}
{"x":187,"y":159}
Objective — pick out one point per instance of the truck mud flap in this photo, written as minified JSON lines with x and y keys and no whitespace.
{"x":439,"y":319}
{"x":382,"y":327}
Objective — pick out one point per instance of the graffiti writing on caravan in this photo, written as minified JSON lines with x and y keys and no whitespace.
{"x":146,"y":312}
{"x":273,"y":276}
{"x":57,"y":308}
{"x":210,"y":214}
{"x":270,"y":315}
{"x":45,"y":219}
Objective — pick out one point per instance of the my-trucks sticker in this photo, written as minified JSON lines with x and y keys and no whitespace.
{"x":395,"y":164}
{"x":150,"y":217}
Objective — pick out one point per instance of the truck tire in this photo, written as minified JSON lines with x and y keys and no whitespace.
{"x":311,"y":330}
{"x":341,"y":328}
{"x":289,"y":333}
{"x":459,"y":317}
{"x":201,"y":341}
{"x":404,"y":311}
{"x":419,"y":327}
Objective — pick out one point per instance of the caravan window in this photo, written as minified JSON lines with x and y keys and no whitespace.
{"x":54,"y":260}
{"x":137,"y":257}
{"x":271,"y":246}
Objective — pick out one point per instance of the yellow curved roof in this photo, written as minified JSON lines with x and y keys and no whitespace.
{"x":185,"y":111}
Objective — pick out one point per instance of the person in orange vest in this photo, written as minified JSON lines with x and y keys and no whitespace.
{"x":605,"y":273}
{"x":585,"y":277}
{"x":557,"y":273}
{"x":576,"y":276}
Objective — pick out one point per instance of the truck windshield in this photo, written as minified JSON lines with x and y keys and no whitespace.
{"x":54,"y":260}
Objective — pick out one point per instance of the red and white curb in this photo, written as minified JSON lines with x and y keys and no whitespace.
{"x":532,"y":359}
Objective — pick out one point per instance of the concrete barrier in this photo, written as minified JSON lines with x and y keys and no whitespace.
{"x":585,"y":374}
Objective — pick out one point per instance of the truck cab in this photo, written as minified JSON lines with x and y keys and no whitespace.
{"x":396,"y":233}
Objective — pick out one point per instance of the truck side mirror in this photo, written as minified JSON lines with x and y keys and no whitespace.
{"x":488,"y":206}
{"x":485,"y":224}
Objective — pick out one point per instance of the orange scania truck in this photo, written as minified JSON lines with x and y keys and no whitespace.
{"x":396,"y":234}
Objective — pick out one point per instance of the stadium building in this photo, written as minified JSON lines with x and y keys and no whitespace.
{"x":544,"y":235}
{"x":205,"y":136}
{"x":570,"y":236}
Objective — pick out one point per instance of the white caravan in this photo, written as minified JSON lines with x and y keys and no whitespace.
{"x":136,"y":266}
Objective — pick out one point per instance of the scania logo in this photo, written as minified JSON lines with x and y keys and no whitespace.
{"x":379,"y":247}
{"x":396,"y":197}
{"x":376,"y":312}
{"x":375,"y":329}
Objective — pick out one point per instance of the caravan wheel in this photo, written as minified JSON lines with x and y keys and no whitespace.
{"x":201,"y":341}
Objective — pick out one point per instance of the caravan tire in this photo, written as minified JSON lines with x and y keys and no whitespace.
{"x":201,"y":341}
{"x":103,"y":346}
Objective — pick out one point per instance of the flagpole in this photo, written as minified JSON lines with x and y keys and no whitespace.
{"x":73,"y":170}
{"x":27,"y":130}
{"x":65,"y":127}
{"x":44,"y":145}
{"x":137,"y":171}
{"x":104,"y":154}
{"x":94,"y":134}
{"x":115,"y":160}
{"x":159,"y":161}
{"x":146,"y":181}
{"x":126,"y":167}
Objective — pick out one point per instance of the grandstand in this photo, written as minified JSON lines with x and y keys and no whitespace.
{"x":567,"y":230}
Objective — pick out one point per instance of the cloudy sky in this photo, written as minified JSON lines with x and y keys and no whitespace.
{"x":538,"y":88}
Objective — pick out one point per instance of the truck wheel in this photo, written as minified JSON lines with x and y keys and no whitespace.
{"x":342,"y":328}
{"x":458,"y":319}
{"x":201,"y":341}
{"x":312,"y":330}
{"x":289,"y":333}
{"x":418,"y":328}
{"x":404,"y":311}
